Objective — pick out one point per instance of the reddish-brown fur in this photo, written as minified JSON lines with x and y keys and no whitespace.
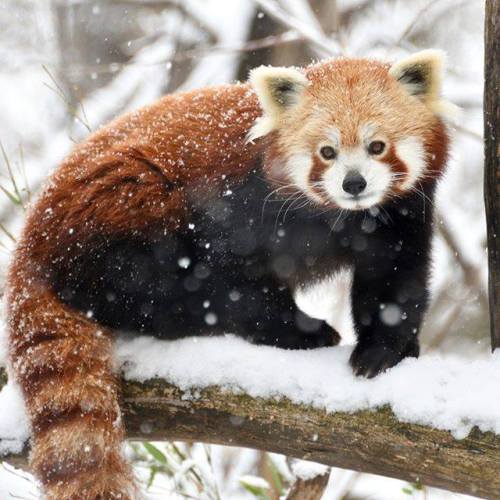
{"x":359,"y":91}
{"x":316,"y":174}
{"x":130,"y":177}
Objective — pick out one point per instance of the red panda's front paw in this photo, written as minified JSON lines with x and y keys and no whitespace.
{"x":370,"y":360}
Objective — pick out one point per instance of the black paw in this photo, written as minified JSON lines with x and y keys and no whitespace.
{"x":293,"y":338}
{"x":312,"y":333}
{"x":370,"y":360}
{"x":326,"y":337}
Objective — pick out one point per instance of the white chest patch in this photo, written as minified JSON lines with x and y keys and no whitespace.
{"x":330,"y":300}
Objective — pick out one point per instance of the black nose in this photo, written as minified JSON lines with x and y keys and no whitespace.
{"x":354,"y":183}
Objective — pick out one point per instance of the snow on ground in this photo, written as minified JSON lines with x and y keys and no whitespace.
{"x":446,"y":392}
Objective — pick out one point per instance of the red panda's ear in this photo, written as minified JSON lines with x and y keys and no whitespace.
{"x":421,"y":74}
{"x":278,"y":90}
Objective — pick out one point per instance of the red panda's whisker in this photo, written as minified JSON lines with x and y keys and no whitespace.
{"x":339,"y":217}
{"x":386,"y":213}
{"x":274,"y":191}
{"x":293,"y":202}
{"x":422,"y":193}
{"x":289,"y":199}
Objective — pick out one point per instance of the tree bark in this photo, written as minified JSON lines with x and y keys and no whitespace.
{"x":309,"y":489}
{"x":492,"y":163}
{"x":367,"y":441}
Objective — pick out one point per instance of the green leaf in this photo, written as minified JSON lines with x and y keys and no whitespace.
{"x":257,"y":486}
{"x":11,"y":196}
{"x":178,"y":452}
{"x":276,"y":476}
{"x":152,"y":475}
{"x":11,"y":175}
{"x":407,"y":490}
{"x":4,"y":230}
{"x":155,"y":452}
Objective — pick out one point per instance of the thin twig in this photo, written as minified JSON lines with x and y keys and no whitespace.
{"x":290,"y":36}
{"x":179,"y":5}
{"x":22,"y":168}
{"x":416,"y":19}
{"x":4,"y":248}
{"x":60,"y":92}
{"x":443,"y":332}
{"x":326,"y":45}
{"x":7,"y":232}
{"x":470,"y":133}
{"x":470,"y":271}
{"x":12,"y":178}
{"x":420,"y":15}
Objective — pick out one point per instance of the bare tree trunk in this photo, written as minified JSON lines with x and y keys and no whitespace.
{"x":492,"y":164}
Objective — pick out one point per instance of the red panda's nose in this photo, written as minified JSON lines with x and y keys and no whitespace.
{"x":354,"y":183}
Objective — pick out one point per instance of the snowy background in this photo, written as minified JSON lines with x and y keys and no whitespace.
{"x":70,"y":65}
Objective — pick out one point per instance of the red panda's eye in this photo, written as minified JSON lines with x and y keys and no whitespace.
{"x":376,"y":147}
{"x":328,"y":153}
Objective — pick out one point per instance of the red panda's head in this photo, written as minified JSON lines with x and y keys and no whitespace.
{"x":353,"y":133}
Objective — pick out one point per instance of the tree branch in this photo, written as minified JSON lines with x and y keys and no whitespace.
{"x":309,"y":489}
{"x":368,"y":441}
{"x":188,"y":54}
{"x":325,"y":45}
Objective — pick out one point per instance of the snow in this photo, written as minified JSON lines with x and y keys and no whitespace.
{"x":254,"y":482}
{"x":443,"y":391}
{"x":14,"y":426}
{"x":305,"y":470}
{"x":449,"y":391}
{"x":15,"y":483}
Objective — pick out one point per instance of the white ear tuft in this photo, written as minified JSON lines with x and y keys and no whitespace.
{"x":278,"y":90}
{"x":421,"y":74}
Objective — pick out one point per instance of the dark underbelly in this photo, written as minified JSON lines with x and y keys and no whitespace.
{"x":170,"y":288}
{"x":231,"y":264}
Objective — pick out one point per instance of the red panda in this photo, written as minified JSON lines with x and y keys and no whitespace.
{"x":174,"y":206}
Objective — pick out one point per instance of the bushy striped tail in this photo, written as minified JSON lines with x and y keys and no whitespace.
{"x":63,"y":362}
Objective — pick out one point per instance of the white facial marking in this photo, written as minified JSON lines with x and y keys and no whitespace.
{"x":367,"y":133}
{"x":333,"y":136}
{"x":376,"y":173}
{"x":299,"y":168}
{"x":411,"y":152}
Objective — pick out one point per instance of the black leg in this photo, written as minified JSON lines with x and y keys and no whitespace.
{"x":387,"y":314}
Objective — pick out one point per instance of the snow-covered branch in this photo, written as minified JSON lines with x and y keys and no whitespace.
{"x":372,"y":441}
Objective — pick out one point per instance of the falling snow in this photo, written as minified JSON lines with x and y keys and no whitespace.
{"x":446,"y":391}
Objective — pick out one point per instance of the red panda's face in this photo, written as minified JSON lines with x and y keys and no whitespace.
{"x":353,"y":133}
{"x":356,"y":175}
